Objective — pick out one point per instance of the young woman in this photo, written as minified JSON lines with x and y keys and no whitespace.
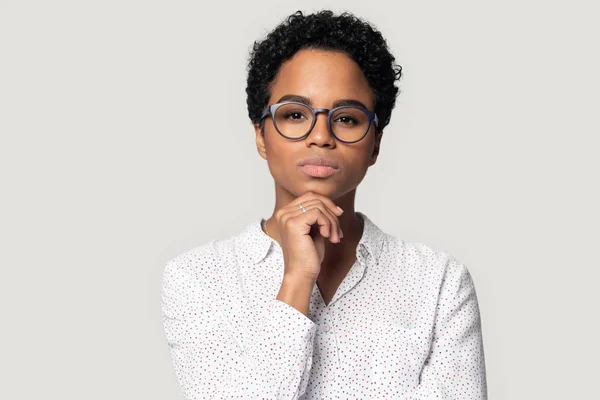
{"x":317,"y":301}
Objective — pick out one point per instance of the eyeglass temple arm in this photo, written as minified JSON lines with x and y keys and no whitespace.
{"x":266,"y":112}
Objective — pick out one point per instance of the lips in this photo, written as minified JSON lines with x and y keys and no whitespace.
{"x":318,"y":161}
{"x":318,"y":166}
{"x":317,"y":171}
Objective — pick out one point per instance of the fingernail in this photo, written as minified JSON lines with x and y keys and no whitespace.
{"x":340,"y":208}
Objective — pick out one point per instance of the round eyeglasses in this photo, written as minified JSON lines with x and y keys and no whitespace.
{"x":294,"y":121}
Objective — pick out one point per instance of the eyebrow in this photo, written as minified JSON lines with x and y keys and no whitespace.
{"x":307,"y":101}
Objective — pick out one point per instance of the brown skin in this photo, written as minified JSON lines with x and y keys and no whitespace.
{"x":323,"y":77}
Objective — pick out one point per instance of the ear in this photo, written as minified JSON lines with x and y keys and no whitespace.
{"x":260,"y":141}
{"x":377,"y":146}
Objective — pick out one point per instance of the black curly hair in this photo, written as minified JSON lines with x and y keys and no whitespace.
{"x":324,"y":30}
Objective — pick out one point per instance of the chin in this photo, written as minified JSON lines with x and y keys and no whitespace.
{"x":321,"y":186}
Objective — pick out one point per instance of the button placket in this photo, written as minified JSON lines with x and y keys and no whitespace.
{"x":332,"y":338}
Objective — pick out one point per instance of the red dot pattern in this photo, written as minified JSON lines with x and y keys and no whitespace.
{"x":403,"y":324}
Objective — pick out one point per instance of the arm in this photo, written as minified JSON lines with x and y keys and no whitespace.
{"x":455,"y":367}
{"x":210,"y":361}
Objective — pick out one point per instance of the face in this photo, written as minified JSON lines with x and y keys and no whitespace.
{"x":323,"y":78}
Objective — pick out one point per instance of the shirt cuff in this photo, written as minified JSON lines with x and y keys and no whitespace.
{"x":290,"y":326}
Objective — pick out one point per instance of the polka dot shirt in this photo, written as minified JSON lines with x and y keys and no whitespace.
{"x":403,"y":324}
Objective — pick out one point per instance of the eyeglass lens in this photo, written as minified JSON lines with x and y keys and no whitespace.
{"x":347,"y":123}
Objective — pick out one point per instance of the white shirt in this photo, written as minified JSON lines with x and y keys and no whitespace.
{"x":403,"y":324}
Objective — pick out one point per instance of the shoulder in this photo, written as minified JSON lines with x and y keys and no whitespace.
{"x":199,"y":264}
{"x":421,"y":259}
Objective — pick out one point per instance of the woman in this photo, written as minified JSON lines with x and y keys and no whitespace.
{"x":316,"y":301}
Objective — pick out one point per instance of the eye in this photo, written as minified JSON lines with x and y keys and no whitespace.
{"x":294,"y":115}
{"x":346,"y":120}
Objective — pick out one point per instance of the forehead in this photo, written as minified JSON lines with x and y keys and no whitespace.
{"x":323,"y":76}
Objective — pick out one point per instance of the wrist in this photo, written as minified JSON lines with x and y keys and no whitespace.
{"x":296,"y":291}
{"x":298,"y":279}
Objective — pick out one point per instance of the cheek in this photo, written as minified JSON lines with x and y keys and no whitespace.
{"x":279,"y":156}
{"x":359,"y":157}
{"x":357,"y":166}
{"x":358,"y":170}
{"x":273,"y":140}
{"x":277,"y":152}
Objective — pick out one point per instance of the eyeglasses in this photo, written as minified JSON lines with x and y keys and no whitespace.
{"x":293,"y":120}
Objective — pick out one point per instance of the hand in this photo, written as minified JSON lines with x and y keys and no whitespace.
{"x":303,"y":234}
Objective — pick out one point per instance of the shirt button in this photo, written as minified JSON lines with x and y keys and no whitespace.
{"x":327,"y":327}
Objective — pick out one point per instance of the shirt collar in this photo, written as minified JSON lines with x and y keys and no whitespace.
{"x":253,"y":245}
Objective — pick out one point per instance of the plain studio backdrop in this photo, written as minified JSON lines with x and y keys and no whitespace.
{"x":125,"y":141}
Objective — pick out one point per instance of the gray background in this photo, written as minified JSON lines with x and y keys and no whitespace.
{"x":116,"y":155}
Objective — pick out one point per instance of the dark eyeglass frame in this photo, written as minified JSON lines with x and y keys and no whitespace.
{"x":272,"y":109}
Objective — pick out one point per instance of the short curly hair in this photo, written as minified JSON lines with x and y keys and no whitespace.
{"x":324,"y":30}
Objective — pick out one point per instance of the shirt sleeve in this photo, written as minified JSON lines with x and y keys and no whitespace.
{"x":211,"y":362}
{"x":455,"y":366}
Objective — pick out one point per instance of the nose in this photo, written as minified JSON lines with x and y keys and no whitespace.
{"x":320,"y":134}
